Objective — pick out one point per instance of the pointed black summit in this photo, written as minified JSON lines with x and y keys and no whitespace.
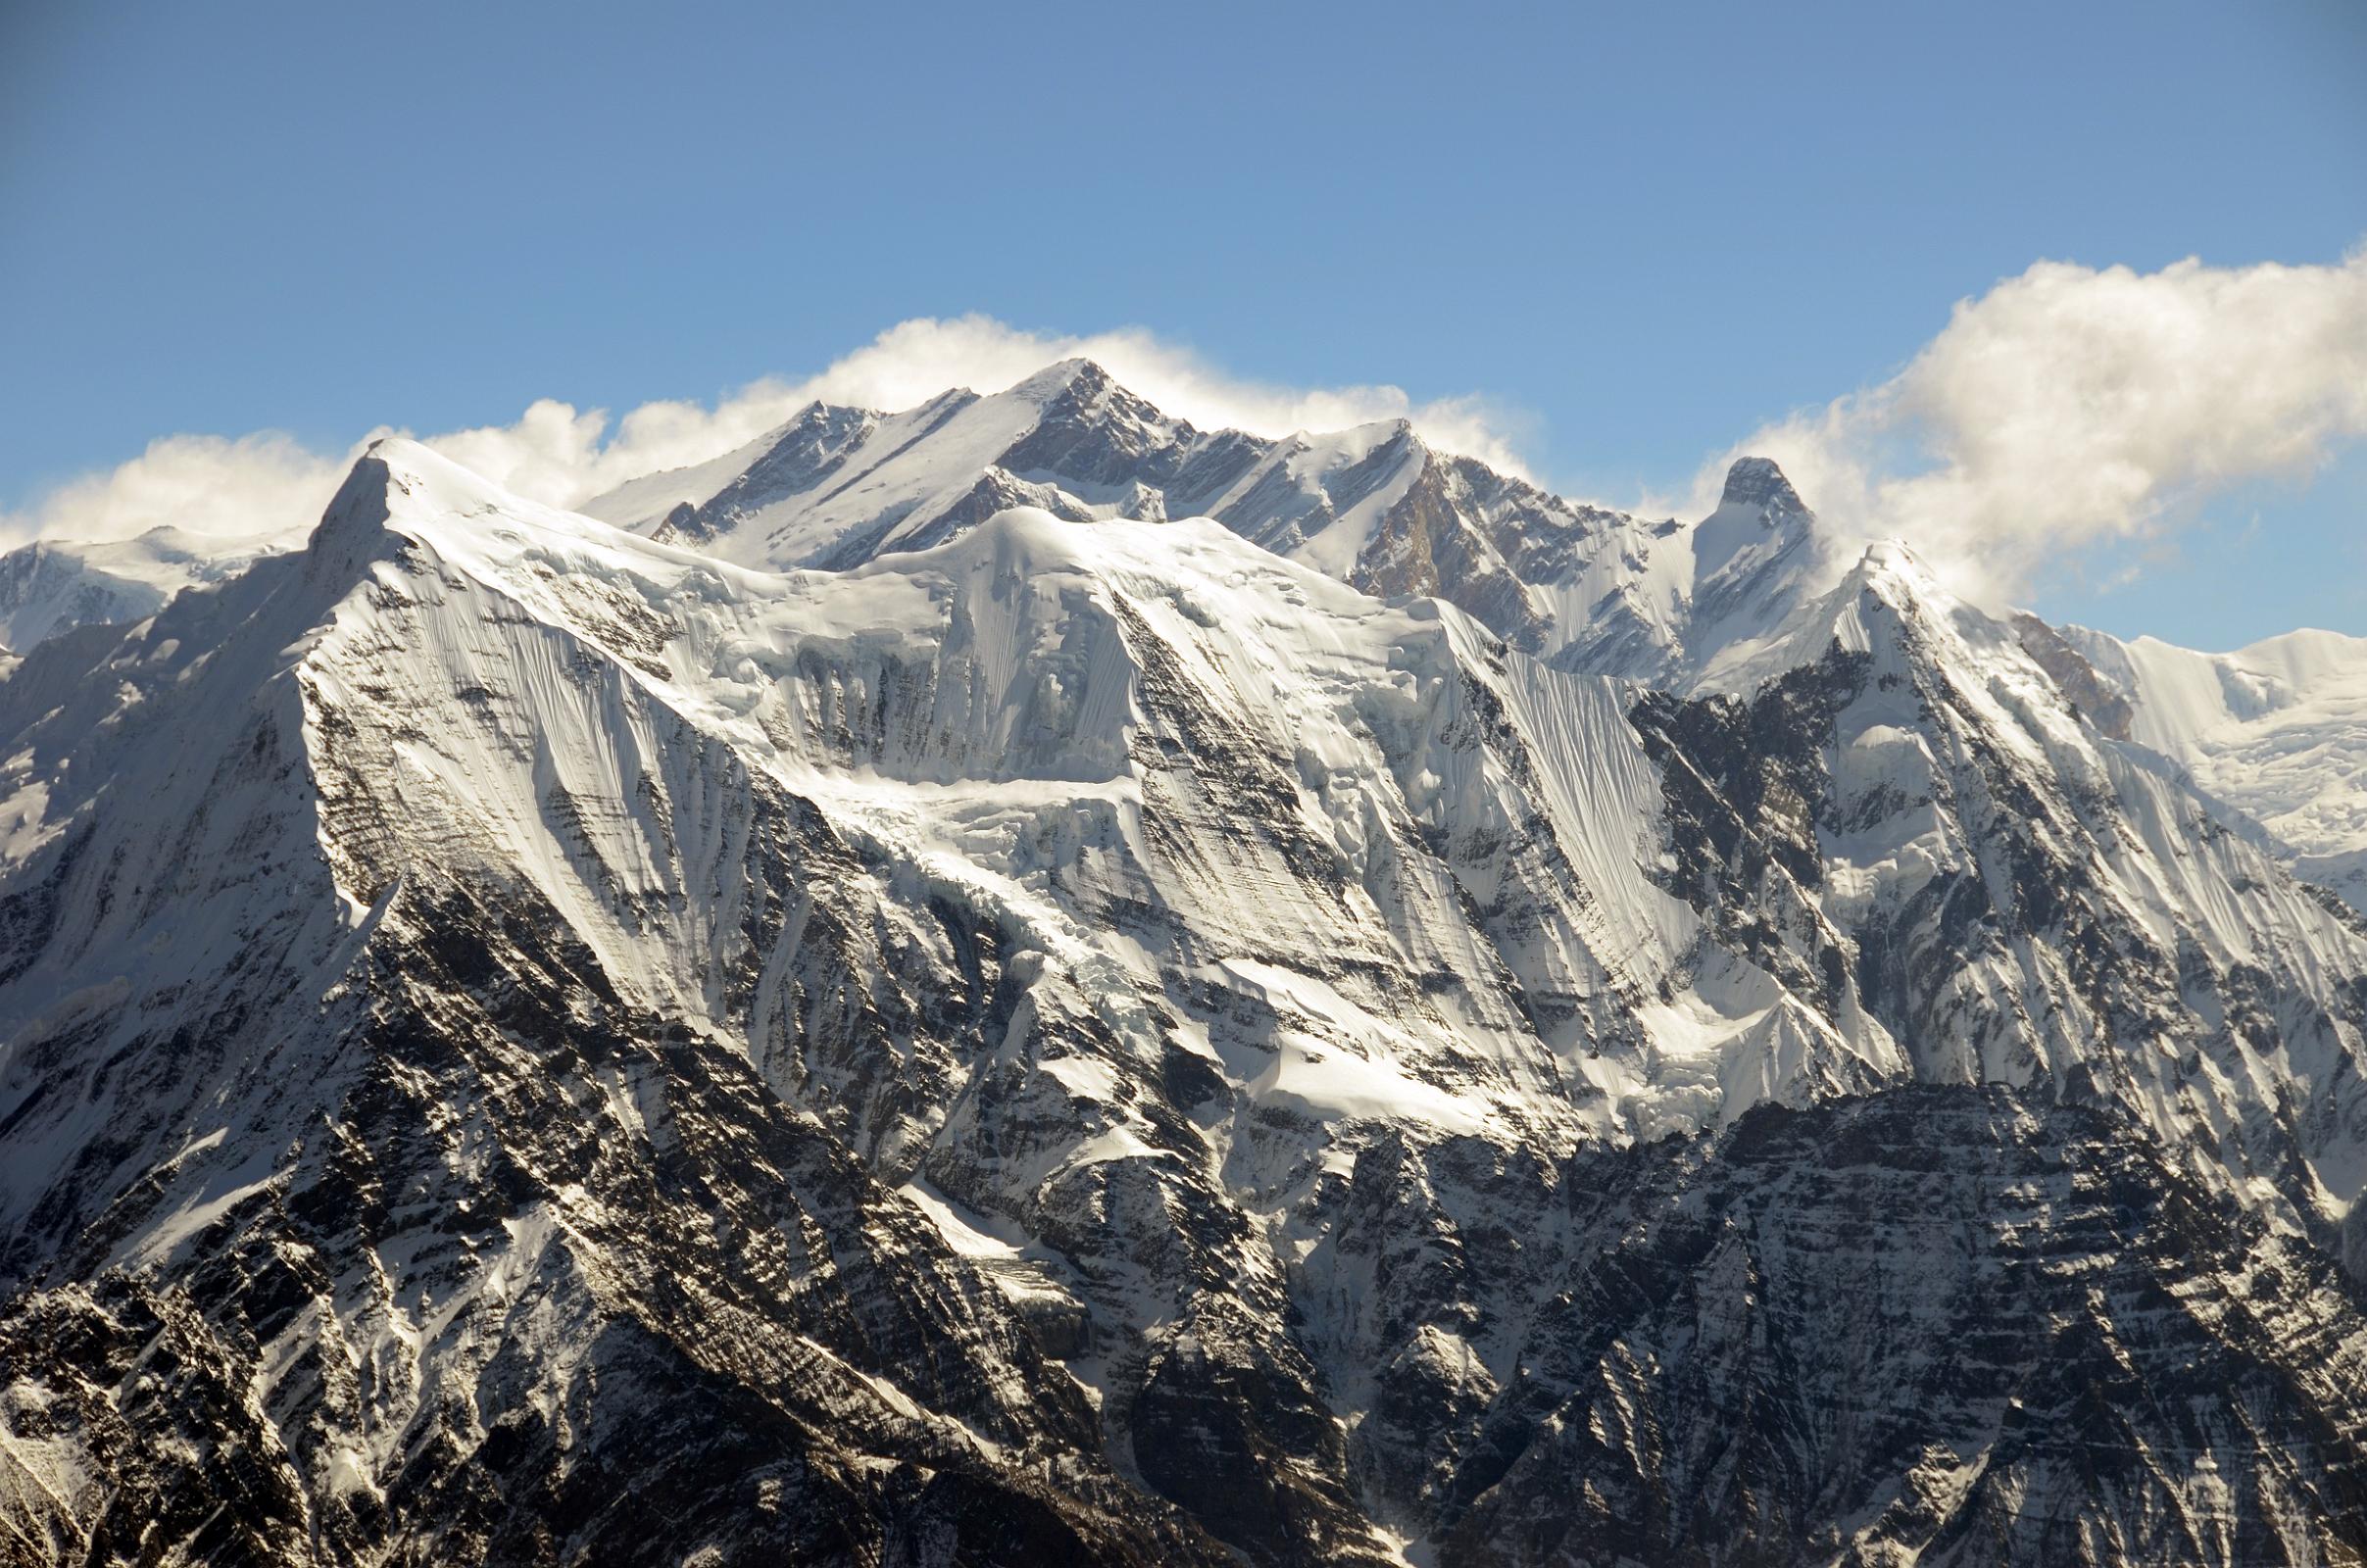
{"x":1758,"y":482}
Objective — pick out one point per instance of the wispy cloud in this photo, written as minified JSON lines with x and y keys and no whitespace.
{"x":2071,"y":407}
{"x":206,"y":484}
{"x":562,"y":455}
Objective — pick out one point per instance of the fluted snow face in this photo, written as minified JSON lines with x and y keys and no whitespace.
{"x":1073,"y":1035}
{"x":1054,"y":722}
{"x":2274,"y":731}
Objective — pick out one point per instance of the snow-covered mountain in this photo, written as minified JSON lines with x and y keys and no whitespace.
{"x":1374,"y":507}
{"x":2276,"y":730}
{"x":910,"y":997}
{"x":49,"y":586}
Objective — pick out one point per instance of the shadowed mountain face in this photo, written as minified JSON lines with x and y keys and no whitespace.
{"x":1062,"y":1038}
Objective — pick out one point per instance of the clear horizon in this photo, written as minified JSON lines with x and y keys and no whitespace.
{"x":1621,"y":247}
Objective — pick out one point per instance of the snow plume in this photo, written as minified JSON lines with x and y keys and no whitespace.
{"x":2069,"y":408}
{"x":267,"y":483}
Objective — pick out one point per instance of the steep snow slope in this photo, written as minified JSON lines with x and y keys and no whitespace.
{"x":1093,"y":1040}
{"x":2276,"y":730}
{"x":1287,"y":763}
{"x":51,"y":585}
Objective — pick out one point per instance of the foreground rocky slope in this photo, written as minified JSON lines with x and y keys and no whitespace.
{"x":1092,"y":1042}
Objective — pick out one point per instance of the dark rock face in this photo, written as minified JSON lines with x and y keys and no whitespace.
{"x":1099,"y":436}
{"x":1757,"y":482}
{"x":2107,"y":710}
{"x":720,"y":1332}
{"x":1883,"y":1329}
{"x":1858,"y":1333}
{"x":808,"y":454}
{"x":1747,"y":788}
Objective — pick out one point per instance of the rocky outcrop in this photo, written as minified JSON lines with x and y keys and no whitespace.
{"x":2104,"y":707}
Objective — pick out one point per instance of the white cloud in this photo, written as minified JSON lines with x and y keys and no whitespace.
{"x":206,"y":484}
{"x":2069,"y":408}
{"x":554,"y":452}
{"x":913,"y":360}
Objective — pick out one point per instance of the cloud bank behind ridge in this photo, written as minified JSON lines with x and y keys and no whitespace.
{"x":267,"y":483}
{"x":2066,"y":408}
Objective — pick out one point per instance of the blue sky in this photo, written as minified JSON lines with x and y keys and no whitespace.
{"x":1641,"y":232}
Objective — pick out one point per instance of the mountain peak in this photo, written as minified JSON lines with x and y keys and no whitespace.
{"x":1893,"y":572}
{"x":1757,"y":515}
{"x":354,"y":523}
{"x":396,"y":480}
{"x":1758,"y":482}
{"x":1894,"y":559}
{"x":1076,"y":376}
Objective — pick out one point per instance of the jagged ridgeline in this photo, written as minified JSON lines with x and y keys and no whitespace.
{"x":1017,"y":982}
